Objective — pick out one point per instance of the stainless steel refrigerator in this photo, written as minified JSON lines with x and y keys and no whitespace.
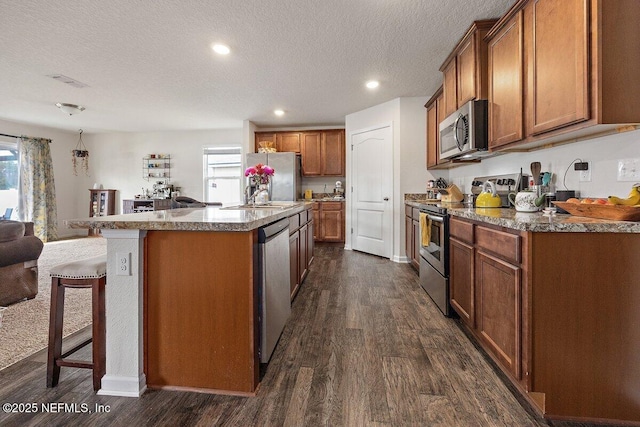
{"x":286,"y":182}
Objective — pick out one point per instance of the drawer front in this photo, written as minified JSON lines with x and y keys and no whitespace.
{"x":408,"y":210}
{"x":332,"y":206}
{"x":504,"y":245}
{"x":294,"y":223}
{"x":461,"y":230}
{"x":303,"y":217}
{"x":416,"y":214}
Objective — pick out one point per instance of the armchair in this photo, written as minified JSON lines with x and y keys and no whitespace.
{"x":19,"y":253}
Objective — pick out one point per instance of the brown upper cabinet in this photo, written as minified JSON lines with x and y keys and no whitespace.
{"x":333,"y":153}
{"x":449,"y":89}
{"x":311,"y":148}
{"x":288,"y":141}
{"x":434,"y":117}
{"x":561,"y":70}
{"x":506,"y":84}
{"x":323,"y":153}
{"x":465,"y":69}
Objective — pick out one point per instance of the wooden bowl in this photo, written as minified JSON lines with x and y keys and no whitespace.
{"x":613,"y":212}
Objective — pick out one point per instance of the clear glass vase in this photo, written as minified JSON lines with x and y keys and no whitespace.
{"x":262,"y":195}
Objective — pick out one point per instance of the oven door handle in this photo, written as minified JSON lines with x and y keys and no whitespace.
{"x":435,"y":218}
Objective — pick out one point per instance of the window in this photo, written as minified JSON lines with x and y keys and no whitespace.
{"x":223,"y":175}
{"x":8,"y":178}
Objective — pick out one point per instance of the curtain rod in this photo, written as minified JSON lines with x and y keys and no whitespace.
{"x":10,"y":136}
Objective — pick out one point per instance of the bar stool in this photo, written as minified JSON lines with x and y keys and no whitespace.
{"x":86,"y":273}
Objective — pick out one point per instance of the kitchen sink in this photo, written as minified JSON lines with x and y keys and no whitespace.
{"x":272,"y":205}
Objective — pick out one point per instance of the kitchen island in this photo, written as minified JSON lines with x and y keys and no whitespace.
{"x":554,"y":302}
{"x":185,"y":314}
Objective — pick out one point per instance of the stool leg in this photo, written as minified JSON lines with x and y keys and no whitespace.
{"x":55,"y":332}
{"x":98,"y":332}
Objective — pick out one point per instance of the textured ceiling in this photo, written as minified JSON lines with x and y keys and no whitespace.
{"x":149,"y":66}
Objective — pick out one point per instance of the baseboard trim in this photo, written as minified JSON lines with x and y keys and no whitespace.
{"x":123,"y":386}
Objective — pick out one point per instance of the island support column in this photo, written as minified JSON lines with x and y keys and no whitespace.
{"x":124,"y":316}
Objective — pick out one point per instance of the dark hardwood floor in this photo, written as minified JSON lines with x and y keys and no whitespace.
{"x":365,"y":346}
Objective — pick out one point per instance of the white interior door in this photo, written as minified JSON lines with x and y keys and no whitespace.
{"x":372,"y":178}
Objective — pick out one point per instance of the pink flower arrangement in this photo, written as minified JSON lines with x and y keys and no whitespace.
{"x":259,"y":174}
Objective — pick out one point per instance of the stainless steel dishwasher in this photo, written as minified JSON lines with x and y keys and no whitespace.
{"x":275,"y":287}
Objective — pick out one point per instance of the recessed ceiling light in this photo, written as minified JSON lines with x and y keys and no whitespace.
{"x":221,"y":49}
{"x":372,"y":84}
{"x":278,"y":112}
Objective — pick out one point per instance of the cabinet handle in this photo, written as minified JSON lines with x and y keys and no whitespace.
{"x":386,"y":199}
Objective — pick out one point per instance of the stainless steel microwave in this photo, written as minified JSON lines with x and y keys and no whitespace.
{"x":464,"y":133}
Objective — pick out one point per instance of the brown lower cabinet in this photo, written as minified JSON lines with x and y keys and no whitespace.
{"x":412,"y":235}
{"x":300,"y":248}
{"x":329,"y":221}
{"x":557,"y":312}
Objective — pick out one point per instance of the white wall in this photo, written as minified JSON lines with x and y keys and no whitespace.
{"x":116,"y":159}
{"x":68,"y":186}
{"x":408,"y":118}
{"x":603,"y":153}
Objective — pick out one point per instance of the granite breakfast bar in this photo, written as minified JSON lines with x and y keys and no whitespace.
{"x":186,"y":316}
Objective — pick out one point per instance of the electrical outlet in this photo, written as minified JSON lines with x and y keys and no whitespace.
{"x":123,"y":264}
{"x":585,"y":174}
{"x":629,"y":170}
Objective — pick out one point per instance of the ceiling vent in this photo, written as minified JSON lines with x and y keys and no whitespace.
{"x":67,"y":80}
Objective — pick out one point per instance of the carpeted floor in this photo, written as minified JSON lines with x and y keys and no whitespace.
{"x":25,"y":325}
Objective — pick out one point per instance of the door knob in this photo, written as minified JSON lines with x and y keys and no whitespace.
{"x":386,"y":199}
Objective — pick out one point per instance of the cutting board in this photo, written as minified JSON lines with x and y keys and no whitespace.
{"x":613,"y":212}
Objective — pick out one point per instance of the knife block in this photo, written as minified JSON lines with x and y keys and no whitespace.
{"x":451,"y":194}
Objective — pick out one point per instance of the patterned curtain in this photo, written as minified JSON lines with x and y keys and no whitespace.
{"x":36,"y":191}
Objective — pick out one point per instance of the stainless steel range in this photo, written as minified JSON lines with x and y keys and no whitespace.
{"x":505,"y":184}
{"x":434,"y":255}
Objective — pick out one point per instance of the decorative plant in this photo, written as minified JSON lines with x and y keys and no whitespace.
{"x":259,"y":174}
{"x":80,"y":152}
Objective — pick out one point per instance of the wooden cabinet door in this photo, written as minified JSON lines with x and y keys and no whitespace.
{"x":466,"y":63}
{"x":302,"y":258}
{"x":288,"y":142}
{"x":268,"y":139}
{"x":332,"y":219}
{"x":294,"y":256}
{"x":310,"y":245}
{"x":441,"y":117}
{"x":461,"y":280}
{"x":408,"y":238}
{"x":506,"y":90}
{"x":449,"y":89}
{"x":432,"y":135}
{"x":317,"y":223}
{"x":559,"y":64}
{"x":333,"y":153}
{"x":311,"y":153}
{"x":499,"y":310}
{"x":415,"y":260}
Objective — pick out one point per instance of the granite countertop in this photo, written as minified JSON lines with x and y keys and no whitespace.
{"x":323,"y":199}
{"x":193,"y":219}
{"x":538,"y":222}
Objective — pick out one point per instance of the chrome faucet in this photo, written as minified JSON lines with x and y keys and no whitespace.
{"x":248,"y":197}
